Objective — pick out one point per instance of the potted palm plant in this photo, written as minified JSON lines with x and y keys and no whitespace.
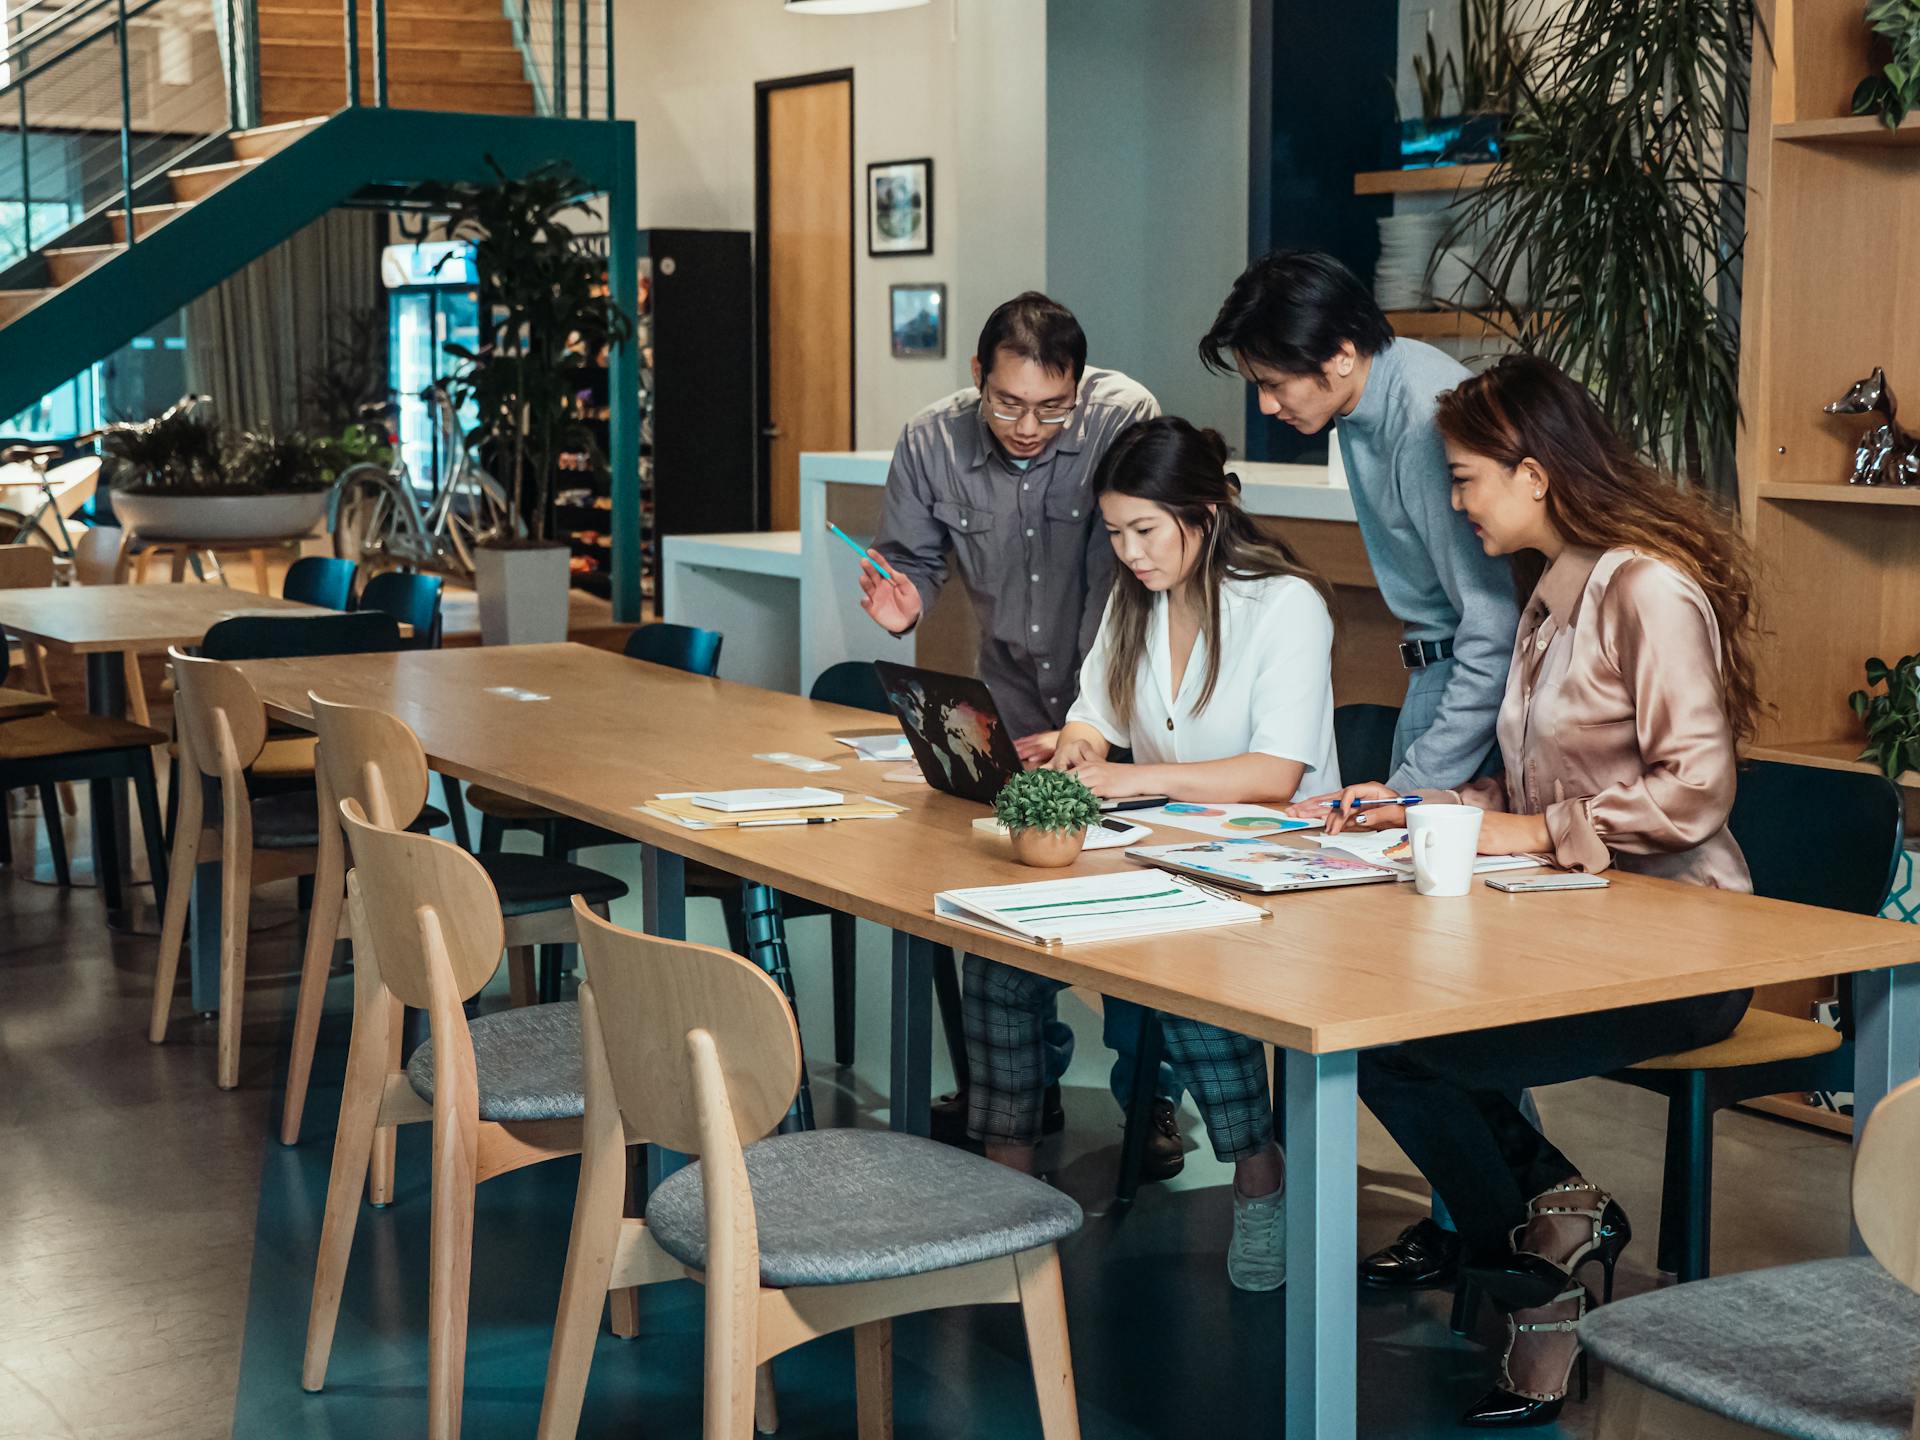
{"x":1046,"y":812}
{"x":546,"y":316}
{"x":178,"y":481}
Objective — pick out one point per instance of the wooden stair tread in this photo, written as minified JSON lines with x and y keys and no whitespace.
{"x":67,"y":263}
{"x":217,"y":167}
{"x":333,"y":48}
{"x":14,"y":304}
{"x":265,"y":140}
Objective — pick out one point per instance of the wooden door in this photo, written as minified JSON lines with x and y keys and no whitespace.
{"x":805,"y":186}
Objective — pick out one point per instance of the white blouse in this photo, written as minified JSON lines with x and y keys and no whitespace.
{"x":1274,"y":695}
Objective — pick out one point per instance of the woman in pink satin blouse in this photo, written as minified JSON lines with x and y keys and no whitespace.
{"x":1631,"y":686}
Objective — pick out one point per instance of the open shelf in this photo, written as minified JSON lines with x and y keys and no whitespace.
{"x":1827,"y":755}
{"x":1434,"y":179}
{"x":1849,"y":130}
{"x":1839,"y":492}
{"x":1442,"y":325}
{"x":1792,"y":1107}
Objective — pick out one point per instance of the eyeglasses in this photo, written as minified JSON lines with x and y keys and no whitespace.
{"x":1045,"y":414}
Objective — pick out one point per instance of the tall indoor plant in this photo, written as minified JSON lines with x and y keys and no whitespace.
{"x":1619,"y":197}
{"x":546,"y":317}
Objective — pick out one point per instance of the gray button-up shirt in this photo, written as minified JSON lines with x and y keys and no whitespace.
{"x":1030,"y":553}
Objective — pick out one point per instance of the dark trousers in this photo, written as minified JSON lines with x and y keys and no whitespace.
{"x":1447,"y":1101}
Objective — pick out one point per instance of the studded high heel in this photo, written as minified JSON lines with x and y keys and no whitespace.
{"x":1529,"y":1279}
{"x":1508,"y":1406}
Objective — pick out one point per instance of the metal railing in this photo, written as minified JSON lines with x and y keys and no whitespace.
{"x":99,"y":97}
{"x":568,"y":49}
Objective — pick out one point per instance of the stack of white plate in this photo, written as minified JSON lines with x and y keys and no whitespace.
{"x":1407,"y":243}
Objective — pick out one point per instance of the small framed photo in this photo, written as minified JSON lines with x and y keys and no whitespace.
{"x":919,"y":321}
{"x":900,"y":207}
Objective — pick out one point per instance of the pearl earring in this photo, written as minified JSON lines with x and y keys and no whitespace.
{"x":1539,"y":494}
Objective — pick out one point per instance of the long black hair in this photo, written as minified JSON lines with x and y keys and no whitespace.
{"x":1183,"y":469}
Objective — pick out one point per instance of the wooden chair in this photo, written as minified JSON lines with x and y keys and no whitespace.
{"x":414,"y":600}
{"x":501,"y":1093}
{"x":795,"y":1236}
{"x":222,"y":728}
{"x":30,"y":567}
{"x":1829,"y":1348}
{"x":373,"y":759}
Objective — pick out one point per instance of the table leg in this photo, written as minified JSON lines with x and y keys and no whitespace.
{"x":1886,"y":1042}
{"x":911,"y":1092}
{"x":663,"y":912}
{"x":203,"y":937}
{"x":1322,"y":1334}
{"x":107,"y":695}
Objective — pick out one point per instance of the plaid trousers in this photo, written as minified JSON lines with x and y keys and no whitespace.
{"x":1002,"y":1011}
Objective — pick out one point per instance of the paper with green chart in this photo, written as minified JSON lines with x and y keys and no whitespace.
{"x":1094,"y":907}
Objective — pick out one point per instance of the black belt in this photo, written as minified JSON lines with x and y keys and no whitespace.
{"x":1418,"y":654}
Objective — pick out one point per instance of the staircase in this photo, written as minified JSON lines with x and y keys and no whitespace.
{"x":441,"y":55}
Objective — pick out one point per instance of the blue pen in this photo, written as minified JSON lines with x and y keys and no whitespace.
{"x":858,"y":549}
{"x":1364,"y":804}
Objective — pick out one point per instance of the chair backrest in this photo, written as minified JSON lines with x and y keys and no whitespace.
{"x":96,"y":554}
{"x":1886,"y":1202}
{"x":428,"y":907}
{"x":371,"y":758}
{"x":221,"y":721}
{"x":272,"y":637}
{"x":73,"y":483}
{"x":684,"y":647}
{"x":321,"y":580}
{"x":853,"y":683}
{"x":25,"y":567}
{"x":1363,"y":739}
{"x":652,"y":995}
{"x":413,"y":600}
{"x":1817,"y":836}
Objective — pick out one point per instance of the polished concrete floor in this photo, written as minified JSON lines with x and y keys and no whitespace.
{"x":156,"y":1243}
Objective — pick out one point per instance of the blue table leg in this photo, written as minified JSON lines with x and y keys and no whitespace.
{"x":663,"y":912}
{"x":1322,"y":1244}
{"x":203,"y":937}
{"x":910,"y":1096}
{"x":1886,"y":1042}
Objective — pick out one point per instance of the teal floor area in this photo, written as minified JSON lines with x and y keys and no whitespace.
{"x":1162,"y":1345}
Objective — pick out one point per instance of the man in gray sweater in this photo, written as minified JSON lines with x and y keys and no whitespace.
{"x":1310,"y":338}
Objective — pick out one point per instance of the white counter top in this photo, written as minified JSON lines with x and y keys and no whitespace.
{"x":775,"y":552}
{"x":1299,"y":492}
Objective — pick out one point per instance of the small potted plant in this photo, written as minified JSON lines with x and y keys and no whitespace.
{"x":1892,"y":719}
{"x":1047,"y":813}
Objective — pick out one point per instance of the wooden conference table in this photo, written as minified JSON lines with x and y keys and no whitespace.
{"x":110,"y":625}
{"x":595,"y":736}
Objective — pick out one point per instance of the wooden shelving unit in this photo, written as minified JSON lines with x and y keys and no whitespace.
{"x":1442,"y":325}
{"x":1434,"y":179}
{"x":1849,"y":130}
{"x":1839,"y":493}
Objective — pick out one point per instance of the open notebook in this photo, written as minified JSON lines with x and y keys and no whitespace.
{"x":1094,"y":907}
{"x":1390,"y":848}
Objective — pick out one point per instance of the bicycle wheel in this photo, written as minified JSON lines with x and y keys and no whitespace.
{"x":480,"y":513}
{"x":18,"y":529}
{"x":363,"y":514}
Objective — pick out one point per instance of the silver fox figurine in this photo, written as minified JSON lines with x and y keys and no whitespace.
{"x":1886,"y":455}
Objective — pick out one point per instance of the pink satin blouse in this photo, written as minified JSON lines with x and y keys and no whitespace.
{"x":1614,"y":724}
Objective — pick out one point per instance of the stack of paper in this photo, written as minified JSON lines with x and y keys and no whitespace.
{"x":878,"y":744}
{"x":1094,"y":907}
{"x":1391,"y":849}
{"x":682,"y":810}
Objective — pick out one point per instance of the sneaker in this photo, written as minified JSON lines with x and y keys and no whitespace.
{"x":1257,"y":1256}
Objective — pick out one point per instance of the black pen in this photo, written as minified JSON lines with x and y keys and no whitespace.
{"x":796,"y":820}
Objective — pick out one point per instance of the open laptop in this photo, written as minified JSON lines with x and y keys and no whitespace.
{"x":957,"y":735}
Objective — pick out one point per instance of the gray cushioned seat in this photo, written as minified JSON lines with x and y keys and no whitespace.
{"x":528,"y":1061}
{"x":840,"y":1206}
{"x":1821,"y":1351}
{"x":530,"y":883}
{"x":286,"y":822}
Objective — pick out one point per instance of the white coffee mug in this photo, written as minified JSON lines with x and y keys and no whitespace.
{"x":1444,"y":839}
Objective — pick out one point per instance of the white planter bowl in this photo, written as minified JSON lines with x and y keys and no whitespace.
{"x":219,"y":517}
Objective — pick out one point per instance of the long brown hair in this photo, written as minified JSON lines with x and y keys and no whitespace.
{"x":1603,"y":495}
{"x":1183,"y":469}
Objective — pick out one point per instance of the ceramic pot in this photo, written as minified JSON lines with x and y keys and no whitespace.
{"x":152,"y":516}
{"x":523,"y":593}
{"x":1048,"y":849}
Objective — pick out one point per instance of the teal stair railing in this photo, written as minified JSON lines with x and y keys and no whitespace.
{"x":99,"y":98}
{"x":568,"y":47}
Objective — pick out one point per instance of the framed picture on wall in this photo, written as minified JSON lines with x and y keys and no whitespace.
{"x":918,"y":316}
{"x":900,"y":207}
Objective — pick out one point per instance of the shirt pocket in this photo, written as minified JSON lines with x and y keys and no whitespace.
{"x":963,"y":519}
{"x":1069,"y":505}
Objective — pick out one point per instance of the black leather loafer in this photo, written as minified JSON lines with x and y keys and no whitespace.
{"x":1425,"y":1257}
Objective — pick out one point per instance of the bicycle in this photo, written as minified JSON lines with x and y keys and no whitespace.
{"x":377,"y":517}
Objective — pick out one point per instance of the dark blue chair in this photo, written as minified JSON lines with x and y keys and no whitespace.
{"x":1363,"y":739}
{"x":681,"y":647}
{"x":413,"y":600}
{"x":320,"y":580}
{"x":268,"y":637}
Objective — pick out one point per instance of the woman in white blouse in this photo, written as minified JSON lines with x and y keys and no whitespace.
{"x":1214,"y":666}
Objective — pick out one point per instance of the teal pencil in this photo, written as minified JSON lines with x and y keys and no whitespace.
{"x":858,"y":549}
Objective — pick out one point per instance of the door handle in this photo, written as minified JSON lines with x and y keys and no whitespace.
{"x":770,"y":432}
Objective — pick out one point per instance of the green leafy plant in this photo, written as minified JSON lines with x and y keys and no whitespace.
{"x":1045,"y":800}
{"x":546,"y":317}
{"x":1892,"y":718}
{"x":1613,"y":197}
{"x":172,"y":454}
{"x":1494,"y":56}
{"x":1432,"y":73}
{"x":355,"y":444}
{"x":1894,"y":89}
{"x":270,"y":462}
{"x":354,"y":374}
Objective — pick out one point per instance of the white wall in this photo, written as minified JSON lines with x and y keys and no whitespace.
{"x":1147,"y":187}
{"x":963,"y":81}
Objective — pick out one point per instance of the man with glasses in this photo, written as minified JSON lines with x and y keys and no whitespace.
{"x":1001,"y":475}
